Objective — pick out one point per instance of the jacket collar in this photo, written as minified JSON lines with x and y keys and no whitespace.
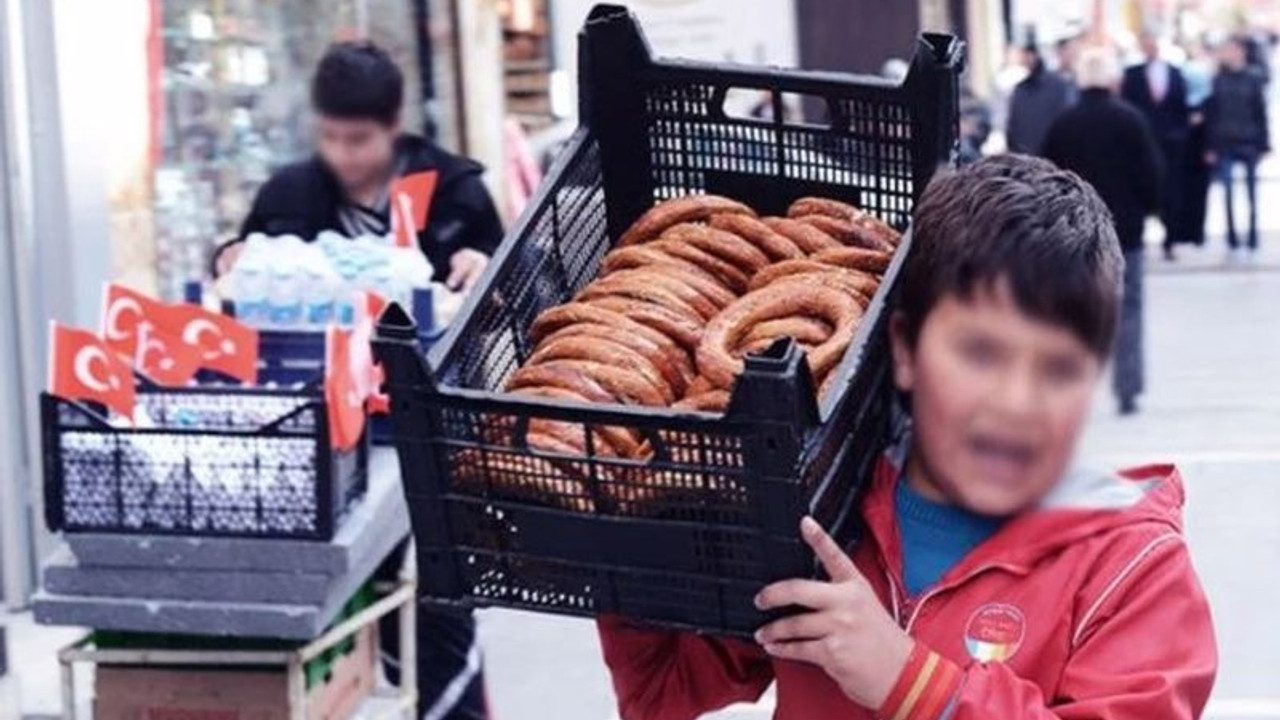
{"x":1085,"y":503}
{"x":1095,"y":93}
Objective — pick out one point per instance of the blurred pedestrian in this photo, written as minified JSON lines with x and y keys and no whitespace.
{"x":975,"y":126}
{"x":1257,"y":47}
{"x":1158,"y":89}
{"x":1197,"y":175}
{"x":1107,"y":142}
{"x":1238,"y":132}
{"x":1037,"y":101}
{"x":1068,"y":51}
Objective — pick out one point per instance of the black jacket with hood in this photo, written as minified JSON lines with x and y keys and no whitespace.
{"x":303,"y":199}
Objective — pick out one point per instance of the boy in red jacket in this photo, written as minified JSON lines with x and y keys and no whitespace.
{"x":996,"y":580}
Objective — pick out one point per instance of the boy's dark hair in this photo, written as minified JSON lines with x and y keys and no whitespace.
{"x":1021,"y":219}
{"x":358,"y":81}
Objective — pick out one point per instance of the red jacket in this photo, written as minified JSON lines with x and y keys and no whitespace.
{"x":1085,"y":608}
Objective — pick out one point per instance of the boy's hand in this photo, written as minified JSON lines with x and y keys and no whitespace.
{"x":848,"y":633}
{"x":465,"y":268}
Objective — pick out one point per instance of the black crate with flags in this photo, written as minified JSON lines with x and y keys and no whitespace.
{"x":159,"y":425}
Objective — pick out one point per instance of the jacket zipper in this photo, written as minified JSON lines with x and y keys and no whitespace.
{"x":893,"y":595}
{"x":913,"y":608}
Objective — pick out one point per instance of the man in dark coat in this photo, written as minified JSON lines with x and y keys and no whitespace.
{"x":1108,"y":143}
{"x":1037,"y":101}
{"x":347,"y":187}
{"x":1158,"y":89}
{"x":1237,"y":131}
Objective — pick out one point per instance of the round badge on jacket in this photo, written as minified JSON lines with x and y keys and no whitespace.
{"x":994,"y":632}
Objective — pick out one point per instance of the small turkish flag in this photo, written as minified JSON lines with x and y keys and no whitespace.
{"x":368,"y":375}
{"x":411,"y":205}
{"x":224,"y":344}
{"x":344,"y":401}
{"x":124,"y":311}
{"x":164,"y":358}
{"x":83,"y":367}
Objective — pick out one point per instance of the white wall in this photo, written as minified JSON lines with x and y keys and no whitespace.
{"x":751,"y":32}
{"x":73,"y":78}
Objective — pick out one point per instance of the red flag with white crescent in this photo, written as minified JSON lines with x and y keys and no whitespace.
{"x":411,"y":205}
{"x":368,"y":375}
{"x":343,"y":399}
{"x":124,"y":312}
{"x":224,"y":344}
{"x":164,"y":358}
{"x":83,"y":367}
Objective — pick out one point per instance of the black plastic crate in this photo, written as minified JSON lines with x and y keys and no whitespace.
{"x":219,"y":461}
{"x":296,"y":357}
{"x":685,"y":539}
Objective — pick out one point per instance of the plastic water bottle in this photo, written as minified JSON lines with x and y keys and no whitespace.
{"x":375,"y":275}
{"x":249,"y":282}
{"x":347,"y":287}
{"x":284,"y":294}
{"x":320,"y":282}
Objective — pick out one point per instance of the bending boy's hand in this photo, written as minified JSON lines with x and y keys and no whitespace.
{"x":465,"y":268}
{"x":848,"y":633}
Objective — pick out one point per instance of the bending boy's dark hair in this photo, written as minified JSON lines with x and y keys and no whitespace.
{"x":1025,"y":221}
{"x":358,"y":81}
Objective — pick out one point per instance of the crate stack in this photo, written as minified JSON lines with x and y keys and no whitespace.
{"x":224,"y":586}
{"x":221,"y":522}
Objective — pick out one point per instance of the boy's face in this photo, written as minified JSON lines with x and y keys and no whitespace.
{"x":998,"y":400}
{"x":358,"y":151}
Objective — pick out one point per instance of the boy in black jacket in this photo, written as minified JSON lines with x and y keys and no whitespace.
{"x":357,"y":93}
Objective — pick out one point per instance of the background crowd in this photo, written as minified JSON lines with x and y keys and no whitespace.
{"x":1154,"y":123}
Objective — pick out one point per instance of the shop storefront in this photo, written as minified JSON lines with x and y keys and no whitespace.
{"x":134,"y":136}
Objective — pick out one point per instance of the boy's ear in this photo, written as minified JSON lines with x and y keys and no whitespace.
{"x":903,"y":368}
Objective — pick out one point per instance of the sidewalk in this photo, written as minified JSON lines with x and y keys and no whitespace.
{"x":1213,"y":257}
{"x":33,"y":662}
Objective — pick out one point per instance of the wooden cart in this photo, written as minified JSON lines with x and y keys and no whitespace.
{"x":400,"y":703}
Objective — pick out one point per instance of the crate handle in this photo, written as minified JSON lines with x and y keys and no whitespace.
{"x":772,"y":108}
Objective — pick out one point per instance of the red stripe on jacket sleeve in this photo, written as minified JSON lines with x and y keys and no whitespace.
{"x":924,"y":688}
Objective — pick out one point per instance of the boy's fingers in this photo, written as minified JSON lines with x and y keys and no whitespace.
{"x":812,"y":594}
{"x":473,"y":274}
{"x":457,"y":275}
{"x":807,"y":626}
{"x":809,"y":651}
{"x":833,"y":559}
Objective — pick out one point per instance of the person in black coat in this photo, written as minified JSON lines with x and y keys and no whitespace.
{"x":1158,"y":89}
{"x":1037,"y":101}
{"x":357,"y":93}
{"x":1109,"y":143}
{"x":1238,"y":132}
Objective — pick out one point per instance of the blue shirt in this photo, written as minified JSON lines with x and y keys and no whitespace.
{"x":935,"y":536}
